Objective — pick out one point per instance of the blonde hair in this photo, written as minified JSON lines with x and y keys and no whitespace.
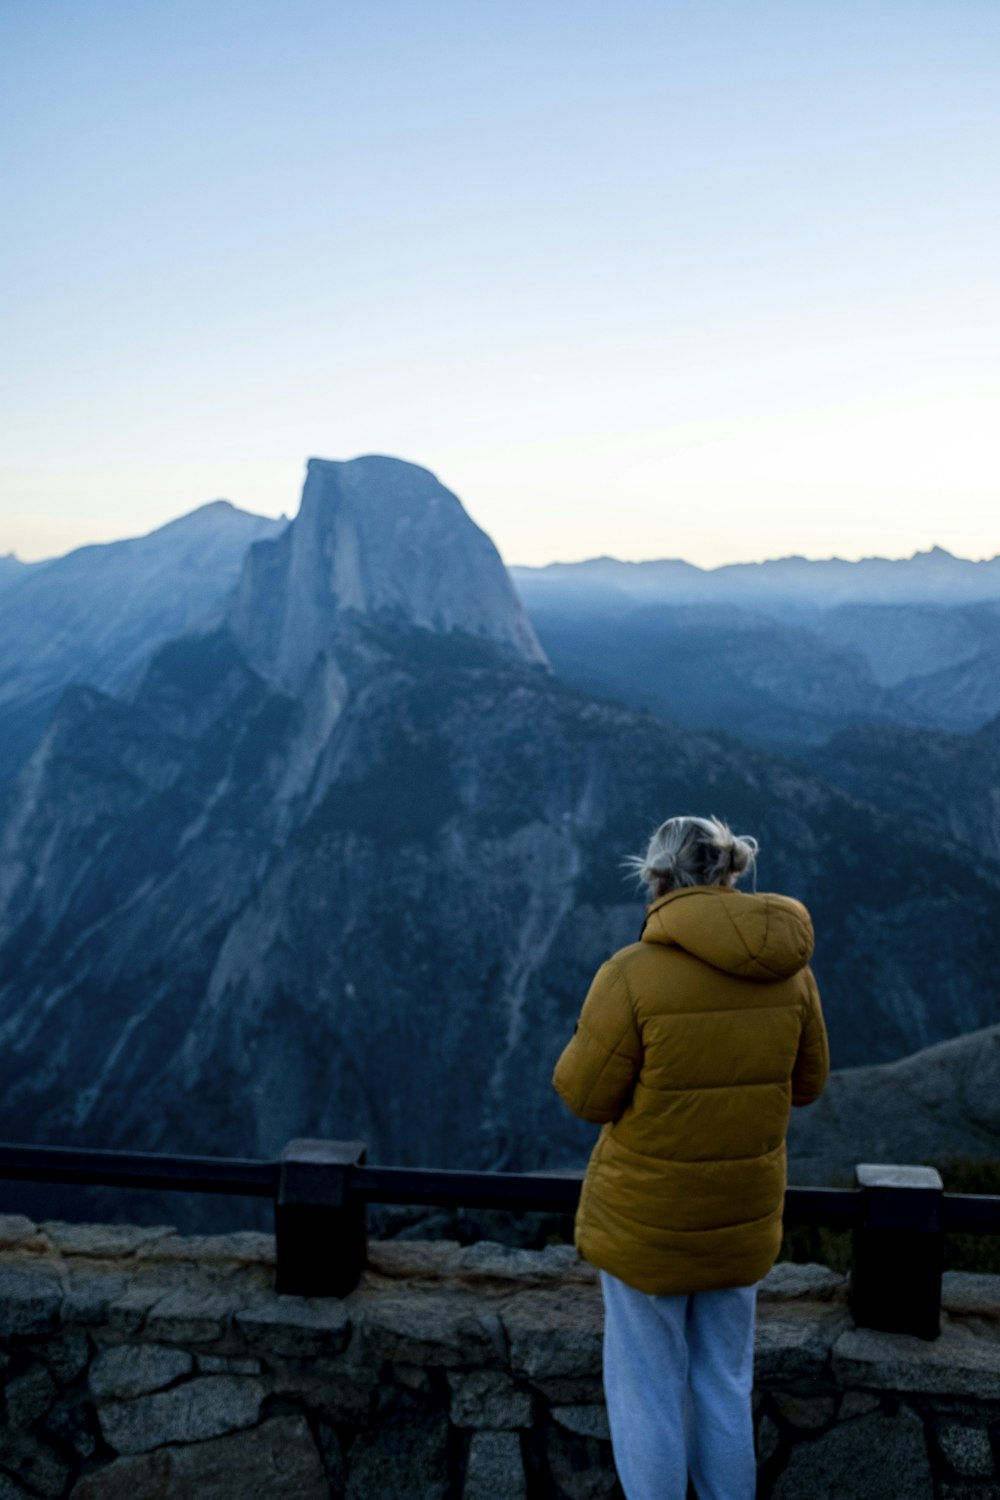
{"x":693,"y":851}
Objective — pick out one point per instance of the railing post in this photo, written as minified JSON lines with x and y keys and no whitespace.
{"x":320,"y":1226}
{"x":898,"y":1251}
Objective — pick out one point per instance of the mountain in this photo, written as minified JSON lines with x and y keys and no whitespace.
{"x":942,"y":1102}
{"x":907,"y":643}
{"x":373,"y":537}
{"x":794,"y":587}
{"x":948,"y":782}
{"x":344,"y":864}
{"x":11,"y":569}
{"x":95,"y":615}
{"x":775,"y":662}
{"x":762,"y":680}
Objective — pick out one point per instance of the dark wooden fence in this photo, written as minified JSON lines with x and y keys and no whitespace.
{"x":898,"y":1215}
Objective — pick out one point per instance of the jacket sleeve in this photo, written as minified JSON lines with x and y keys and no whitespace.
{"x":597,"y":1071}
{"x":812,"y":1064}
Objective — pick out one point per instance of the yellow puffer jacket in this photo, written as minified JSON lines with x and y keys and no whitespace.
{"x":690,"y":1050}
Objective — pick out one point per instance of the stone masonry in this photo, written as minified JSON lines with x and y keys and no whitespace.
{"x":139,"y":1365}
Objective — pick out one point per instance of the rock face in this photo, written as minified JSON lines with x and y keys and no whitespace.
{"x":942,"y":1102}
{"x":346,"y":868}
{"x":373,"y":537}
{"x":257,"y":1411}
{"x":96,"y":614}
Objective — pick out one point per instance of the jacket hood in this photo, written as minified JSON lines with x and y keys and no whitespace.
{"x":764,"y":937}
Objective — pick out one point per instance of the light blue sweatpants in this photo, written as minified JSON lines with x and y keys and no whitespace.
{"x":678,"y":1376}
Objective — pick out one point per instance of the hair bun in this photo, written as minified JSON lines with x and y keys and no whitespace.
{"x":742,"y":853}
{"x":688,"y":851}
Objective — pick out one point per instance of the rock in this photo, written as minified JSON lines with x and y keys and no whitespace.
{"x":11,"y":1491}
{"x":494,"y":1468}
{"x":372,"y":535}
{"x":276,"y":1461}
{"x":794,"y":1342}
{"x":73,"y":1423}
{"x":29,"y":1300}
{"x":585,"y":1421}
{"x":345,"y":1397}
{"x":296,"y":1326}
{"x":788,"y":1282}
{"x":961,"y":1362}
{"x":90,"y":1295}
{"x":875,"y":1458}
{"x":805,"y":1412}
{"x":29,"y":1396}
{"x":333,"y":1458}
{"x":405,"y":1454}
{"x":581,"y":1468}
{"x":971,"y":1294}
{"x":411,"y":1260}
{"x":102,"y":1241}
{"x":128,"y":1312}
{"x":857,"y":1404}
{"x":767,"y":1440}
{"x":567,"y":1390}
{"x":488,"y":1398}
{"x":14,"y":1230}
{"x":191,"y":1315}
{"x":555,"y":1333}
{"x":148,"y":1475}
{"x":200,"y":1408}
{"x":224,"y":1364}
{"x":243,"y":1247}
{"x":967,"y":1450}
{"x":25,"y":1458}
{"x":125,"y":1370}
{"x":66,"y":1354}
{"x":964,"y":1492}
{"x":429,"y":1328}
{"x":486,"y":1260}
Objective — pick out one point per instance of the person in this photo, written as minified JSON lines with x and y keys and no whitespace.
{"x":692,"y":1045}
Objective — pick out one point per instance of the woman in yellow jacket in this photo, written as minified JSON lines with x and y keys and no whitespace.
{"x":690,"y":1050}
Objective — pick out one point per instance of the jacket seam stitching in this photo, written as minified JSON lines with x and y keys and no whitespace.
{"x":723,"y":1010}
{"x":706,"y":1088}
{"x":698,"y":1161}
{"x":610,"y":1051}
{"x":752,"y":957}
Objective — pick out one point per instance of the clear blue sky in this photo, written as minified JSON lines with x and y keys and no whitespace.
{"x":692,"y":279}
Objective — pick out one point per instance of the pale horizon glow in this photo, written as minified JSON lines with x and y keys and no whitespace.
{"x":715,"y":282}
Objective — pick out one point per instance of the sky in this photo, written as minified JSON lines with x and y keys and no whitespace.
{"x":708,"y":280}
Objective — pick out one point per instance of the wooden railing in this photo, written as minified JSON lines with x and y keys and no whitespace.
{"x":898,"y":1215}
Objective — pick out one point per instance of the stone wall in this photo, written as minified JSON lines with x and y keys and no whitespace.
{"x":138,"y":1365}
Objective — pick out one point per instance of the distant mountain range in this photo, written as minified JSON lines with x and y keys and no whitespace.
{"x":341,"y":856}
{"x":792,"y":586}
{"x":782,"y":654}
